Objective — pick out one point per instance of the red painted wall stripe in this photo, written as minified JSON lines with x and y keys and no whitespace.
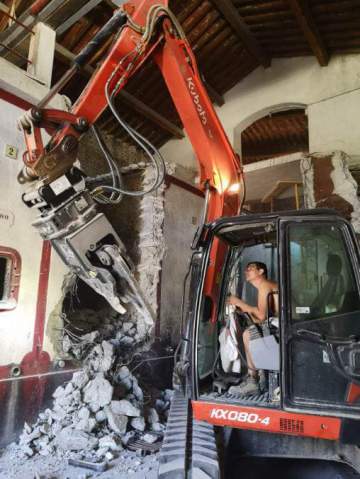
{"x":14,"y":100}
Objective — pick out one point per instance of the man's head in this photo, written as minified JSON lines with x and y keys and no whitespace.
{"x":255,"y":270}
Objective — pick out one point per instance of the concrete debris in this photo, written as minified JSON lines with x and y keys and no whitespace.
{"x":109,"y":442}
{"x":97,"y":413}
{"x":116,"y":422}
{"x":100,"y":416}
{"x":98,"y":392}
{"x":153,"y":416}
{"x":127,"y":437}
{"x":138,"y":423}
{"x":80,"y":379}
{"x":150,"y":438}
{"x":124,"y":407}
{"x":102,"y":357}
{"x":71,"y":440}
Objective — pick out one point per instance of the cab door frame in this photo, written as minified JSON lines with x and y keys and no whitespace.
{"x":288,"y":330}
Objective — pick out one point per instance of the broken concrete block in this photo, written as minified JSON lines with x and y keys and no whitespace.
{"x":84,"y":413}
{"x":127,"y":326}
{"x":137,"y":391}
{"x":42,"y":441}
{"x":100,"y":416}
{"x":157,"y":427}
{"x":80,"y":379}
{"x":63,"y":401}
{"x":127,"y":341}
{"x":27,"y":451}
{"x":76,"y":396}
{"x":27,"y":438}
{"x":109,"y":456}
{"x":46,"y":451}
{"x":70,"y":439}
{"x":98,"y":392}
{"x":150,"y":438}
{"x":108,"y":356}
{"x":153,"y":416}
{"x":124,"y":407}
{"x":101,"y":452}
{"x":27,"y":428}
{"x":69,"y":388}
{"x":59,"y":392}
{"x":101,"y":357}
{"x":45,"y":428}
{"x":86,"y":425}
{"x":109,"y":443}
{"x":124,"y":377}
{"x":117,"y":422}
{"x":138,"y":423}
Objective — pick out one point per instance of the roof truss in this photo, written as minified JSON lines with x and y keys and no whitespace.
{"x":306,"y":22}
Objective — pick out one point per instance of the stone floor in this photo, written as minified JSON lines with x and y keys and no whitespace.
{"x":128,"y":465}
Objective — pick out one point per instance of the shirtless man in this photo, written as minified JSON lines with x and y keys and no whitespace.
{"x":255,"y":274}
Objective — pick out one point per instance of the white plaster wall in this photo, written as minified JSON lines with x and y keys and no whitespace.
{"x":21,"y":84}
{"x":17,"y":326}
{"x":334,"y":124}
{"x":327,"y":92}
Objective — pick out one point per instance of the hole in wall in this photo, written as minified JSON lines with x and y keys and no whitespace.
{"x":275,"y":186}
{"x":276,"y":134}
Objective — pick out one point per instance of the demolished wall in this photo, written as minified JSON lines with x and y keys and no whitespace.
{"x":328,"y":183}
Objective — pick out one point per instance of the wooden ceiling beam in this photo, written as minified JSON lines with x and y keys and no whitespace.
{"x":84,"y":10}
{"x":66,"y":56}
{"x":301,"y":10}
{"x":241,"y":29}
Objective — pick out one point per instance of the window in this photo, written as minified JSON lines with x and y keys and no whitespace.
{"x":10,"y":269}
{"x":3,"y":270}
{"x":322,"y":279}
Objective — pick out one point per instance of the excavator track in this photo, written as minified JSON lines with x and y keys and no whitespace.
{"x":189,"y":449}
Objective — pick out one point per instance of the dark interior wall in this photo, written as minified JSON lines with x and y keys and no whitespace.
{"x":182,"y":214}
{"x":125,"y":217}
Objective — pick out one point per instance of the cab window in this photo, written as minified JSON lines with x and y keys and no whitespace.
{"x":321,"y":275}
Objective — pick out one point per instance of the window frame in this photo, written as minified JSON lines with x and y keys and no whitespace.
{"x":351,"y":255}
{"x":13,"y":276}
{"x":289,"y":330}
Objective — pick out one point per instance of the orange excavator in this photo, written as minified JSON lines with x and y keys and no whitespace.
{"x":308,"y":351}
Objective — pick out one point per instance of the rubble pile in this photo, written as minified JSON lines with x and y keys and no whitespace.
{"x":102,"y":408}
{"x":121,"y":331}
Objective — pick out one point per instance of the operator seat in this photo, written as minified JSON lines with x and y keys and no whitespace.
{"x":332,"y":294}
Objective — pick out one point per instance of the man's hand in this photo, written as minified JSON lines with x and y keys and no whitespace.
{"x":233,"y":300}
{"x":246,"y":308}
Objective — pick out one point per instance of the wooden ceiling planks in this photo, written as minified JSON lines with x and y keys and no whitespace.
{"x":223,"y":57}
{"x":275,"y":135}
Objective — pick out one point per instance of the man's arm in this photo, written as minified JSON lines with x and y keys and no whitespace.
{"x":258,"y":313}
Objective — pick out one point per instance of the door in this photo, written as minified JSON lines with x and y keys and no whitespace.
{"x":321,"y":317}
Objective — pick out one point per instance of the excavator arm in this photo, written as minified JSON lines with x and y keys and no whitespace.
{"x":68,"y":217}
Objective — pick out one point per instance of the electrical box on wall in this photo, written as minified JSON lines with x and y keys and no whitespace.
{"x":11,"y":152}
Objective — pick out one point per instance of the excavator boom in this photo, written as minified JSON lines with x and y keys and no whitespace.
{"x":145,"y":29}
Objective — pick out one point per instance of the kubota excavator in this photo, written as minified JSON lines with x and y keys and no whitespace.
{"x":309,"y":354}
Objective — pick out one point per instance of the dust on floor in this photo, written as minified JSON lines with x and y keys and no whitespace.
{"x":129,"y":464}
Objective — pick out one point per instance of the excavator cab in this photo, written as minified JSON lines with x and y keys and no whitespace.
{"x":308,"y":350}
